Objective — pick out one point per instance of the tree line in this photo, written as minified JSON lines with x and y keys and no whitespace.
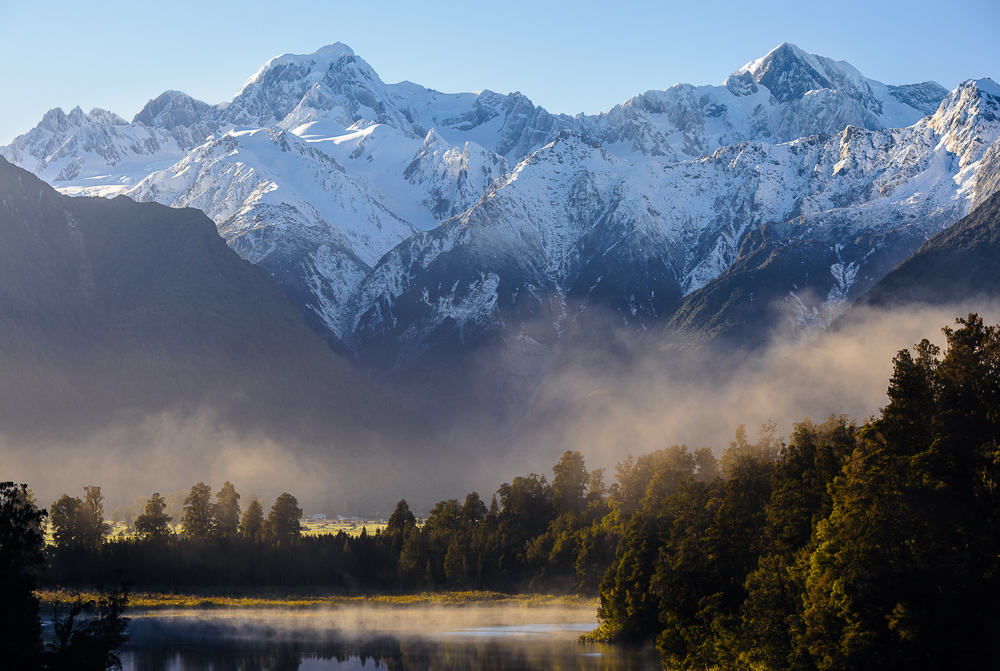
{"x":848,"y":547}
{"x":460,"y":545}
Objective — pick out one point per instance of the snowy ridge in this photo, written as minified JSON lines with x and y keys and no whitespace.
{"x":332,"y":83}
{"x":230,"y":176}
{"x":549,"y":227}
{"x":336,"y":182}
{"x":286,"y":205}
{"x":99,"y":151}
{"x":454,"y":178}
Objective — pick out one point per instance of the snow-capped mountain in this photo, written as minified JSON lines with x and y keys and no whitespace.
{"x":278,"y":201}
{"x":574,"y":223}
{"x":400,"y":220}
{"x":352,"y":166}
{"x":97,"y":152}
{"x":336,"y":87}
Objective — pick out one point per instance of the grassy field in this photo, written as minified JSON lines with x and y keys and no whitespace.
{"x":323,"y":527}
{"x":250,"y":598}
{"x":309,"y":528}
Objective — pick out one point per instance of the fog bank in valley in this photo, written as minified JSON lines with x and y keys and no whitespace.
{"x":168,"y":452}
{"x":607,"y":393}
{"x":619,"y":395}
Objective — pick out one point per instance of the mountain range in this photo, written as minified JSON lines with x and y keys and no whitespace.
{"x":446,"y":244}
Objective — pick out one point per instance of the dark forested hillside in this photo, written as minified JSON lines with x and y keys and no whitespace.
{"x":112,"y":311}
{"x":775,"y":282}
{"x":850,"y":548}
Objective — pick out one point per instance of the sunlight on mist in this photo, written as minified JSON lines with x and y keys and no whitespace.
{"x":654,"y":398}
{"x":606,"y":402}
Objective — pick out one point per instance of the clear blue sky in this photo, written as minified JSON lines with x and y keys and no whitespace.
{"x":573,"y":56}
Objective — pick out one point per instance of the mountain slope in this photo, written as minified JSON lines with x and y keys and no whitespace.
{"x":573,"y":225}
{"x":955,"y":267}
{"x":317,"y":168}
{"x":112,"y":312}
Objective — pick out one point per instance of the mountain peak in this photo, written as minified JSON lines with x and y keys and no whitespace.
{"x":787,"y":49}
{"x":788,"y":72}
{"x":337,"y":49}
{"x":324,"y":56}
{"x":311,"y":85}
{"x":172,"y":109}
{"x":319,"y":61}
{"x":987,"y":85}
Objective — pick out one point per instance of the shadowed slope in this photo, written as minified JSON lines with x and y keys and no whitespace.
{"x":954,"y":266}
{"x":112,"y":311}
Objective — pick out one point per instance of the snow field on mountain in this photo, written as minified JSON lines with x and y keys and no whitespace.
{"x":339,"y":184}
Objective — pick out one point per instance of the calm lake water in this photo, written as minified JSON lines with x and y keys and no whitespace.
{"x":504,"y":638}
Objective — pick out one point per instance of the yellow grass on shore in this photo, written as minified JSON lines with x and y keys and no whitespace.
{"x":251,"y":599}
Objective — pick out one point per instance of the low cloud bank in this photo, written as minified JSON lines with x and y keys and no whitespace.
{"x":646,"y":397}
{"x":607,"y":393}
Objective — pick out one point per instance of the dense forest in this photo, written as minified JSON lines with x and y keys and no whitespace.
{"x":846,"y":547}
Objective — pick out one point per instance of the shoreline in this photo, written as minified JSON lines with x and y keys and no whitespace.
{"x":304,"y":598}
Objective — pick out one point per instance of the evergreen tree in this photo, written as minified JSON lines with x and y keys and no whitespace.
{"x":800,"y":500}
{"x":401,"y":523}
{"x":283,"y":521}
{"x":153,"y":522}
{"x":443,"y":526}
{"x":455,"y":562}
{"x":21,"y":542}
{"x":95,"y":528}
{"x":67,"y":521}
{"x":199,"y":513}
{"x":473,"y":511}
{"x":227,"y":510}
{"x":79,"y":524}
{"x":414,"y":561}
{"x":905,"y":573}
{"x":569,"y":483}
{"x":401,"y":520}
{"x":252,"y":522}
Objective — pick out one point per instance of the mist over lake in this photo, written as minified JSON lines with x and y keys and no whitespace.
{"x":357,"y":636}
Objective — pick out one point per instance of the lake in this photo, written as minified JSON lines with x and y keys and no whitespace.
{"x":397,"y":638}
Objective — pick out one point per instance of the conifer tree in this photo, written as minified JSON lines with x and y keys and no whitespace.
{"x":227,"y":510}
{"x":283,"y":521}
{"x":21,"y":542}
{"x":153,"y":523}
{"x":252,"y":522}
{"x":79,"y":523}
{"x":199,"y":513}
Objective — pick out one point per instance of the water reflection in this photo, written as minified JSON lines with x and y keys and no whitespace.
{"x":279,"y":643}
